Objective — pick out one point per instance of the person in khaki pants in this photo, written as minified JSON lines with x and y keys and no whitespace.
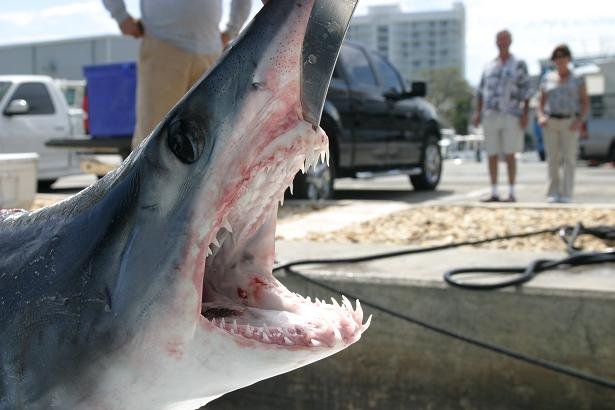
{"x":180,"y":42}
{"x":563,"y":108}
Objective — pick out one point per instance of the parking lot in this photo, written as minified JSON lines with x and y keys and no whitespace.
{"x":463,"y":180}
{"x":467,"y":181}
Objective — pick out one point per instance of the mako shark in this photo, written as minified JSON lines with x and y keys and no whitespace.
{"x":152,"y":289}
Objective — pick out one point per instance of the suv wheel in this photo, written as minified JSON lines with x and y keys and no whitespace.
{"x":431,"y":165}
{"x":316,"y":183}
{"x":44,"y":185}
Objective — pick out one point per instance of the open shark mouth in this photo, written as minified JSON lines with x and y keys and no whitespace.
{"x":153,"y":288}
{"x":240,"y":296}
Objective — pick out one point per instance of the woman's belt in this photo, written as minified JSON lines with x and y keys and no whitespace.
{"x":562,"y":116}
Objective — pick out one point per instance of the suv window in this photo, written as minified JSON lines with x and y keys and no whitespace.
{"x":4,"y":87}
{"x":388,"y":75}
{"x":357,"y":66}
{"x":37,"y":96}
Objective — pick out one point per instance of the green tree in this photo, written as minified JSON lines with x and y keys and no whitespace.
{"x":452,"y":96}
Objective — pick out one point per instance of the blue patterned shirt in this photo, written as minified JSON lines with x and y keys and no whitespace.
{"x":562,"y":98}
{"x":504,"y":86}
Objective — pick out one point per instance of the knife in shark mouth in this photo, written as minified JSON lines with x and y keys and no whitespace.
{"x":152,"y":288}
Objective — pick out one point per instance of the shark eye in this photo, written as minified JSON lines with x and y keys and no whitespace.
{"x":186,"y":140}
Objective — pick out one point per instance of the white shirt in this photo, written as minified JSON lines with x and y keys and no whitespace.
{"x":192,"y":25}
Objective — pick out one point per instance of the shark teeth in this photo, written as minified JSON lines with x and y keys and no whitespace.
{"x":332,"y":326}
{"x":313,"y":158}
{"x":324,"y":325}
{"x":227,"y":225}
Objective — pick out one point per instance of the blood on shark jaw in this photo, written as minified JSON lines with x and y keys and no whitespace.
{"x":240,"y":296}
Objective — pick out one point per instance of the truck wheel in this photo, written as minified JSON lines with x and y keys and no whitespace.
{"x":316,"y":183}
{"x":431,"y":166}
{"x":44,"y":185}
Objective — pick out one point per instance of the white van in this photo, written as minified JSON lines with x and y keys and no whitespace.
{"x":35,"y":110}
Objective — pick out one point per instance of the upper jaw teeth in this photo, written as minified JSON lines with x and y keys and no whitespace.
{"x":313,"y":157}
{"x":220,"y":236}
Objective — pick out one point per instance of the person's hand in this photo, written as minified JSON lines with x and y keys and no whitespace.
{"x":131,"y":27}
{"x":225,"y":38}
{"x":576,"y":125}
{"x":542,"y":120}
{"x":476,"y":119}
{"x":523,"y":120}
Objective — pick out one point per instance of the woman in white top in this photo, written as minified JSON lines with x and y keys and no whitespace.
{"x":563,"y":109}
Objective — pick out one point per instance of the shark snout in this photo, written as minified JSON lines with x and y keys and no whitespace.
{"x":325,"y":32}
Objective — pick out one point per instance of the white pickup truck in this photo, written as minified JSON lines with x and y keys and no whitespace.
{"x":34,"y":110}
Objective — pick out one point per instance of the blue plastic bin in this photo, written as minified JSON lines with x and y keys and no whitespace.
{"x":111,"y":90}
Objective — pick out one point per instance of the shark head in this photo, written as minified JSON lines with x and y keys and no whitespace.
{"x":161,"y":273}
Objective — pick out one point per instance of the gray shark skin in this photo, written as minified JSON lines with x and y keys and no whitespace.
{"x":152,"y":289}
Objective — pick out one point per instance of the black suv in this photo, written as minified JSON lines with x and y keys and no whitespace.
{"x":374,"y":126}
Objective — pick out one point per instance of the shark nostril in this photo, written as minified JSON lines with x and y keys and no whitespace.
{"x":186,"y":140}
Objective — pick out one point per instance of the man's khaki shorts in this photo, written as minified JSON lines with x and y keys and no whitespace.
{"x":503,"y":133}
{"x":165,"y":73}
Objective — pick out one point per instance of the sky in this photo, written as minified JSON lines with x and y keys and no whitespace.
{"x":537,"y":26}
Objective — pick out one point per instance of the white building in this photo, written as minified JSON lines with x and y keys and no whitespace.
{"x":66,"y":58}
{"x":414,"y":42}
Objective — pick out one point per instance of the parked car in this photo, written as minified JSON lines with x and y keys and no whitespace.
{"x":375,"y":126}
{"x":597,"y":142}
{"x":34,"y":110}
